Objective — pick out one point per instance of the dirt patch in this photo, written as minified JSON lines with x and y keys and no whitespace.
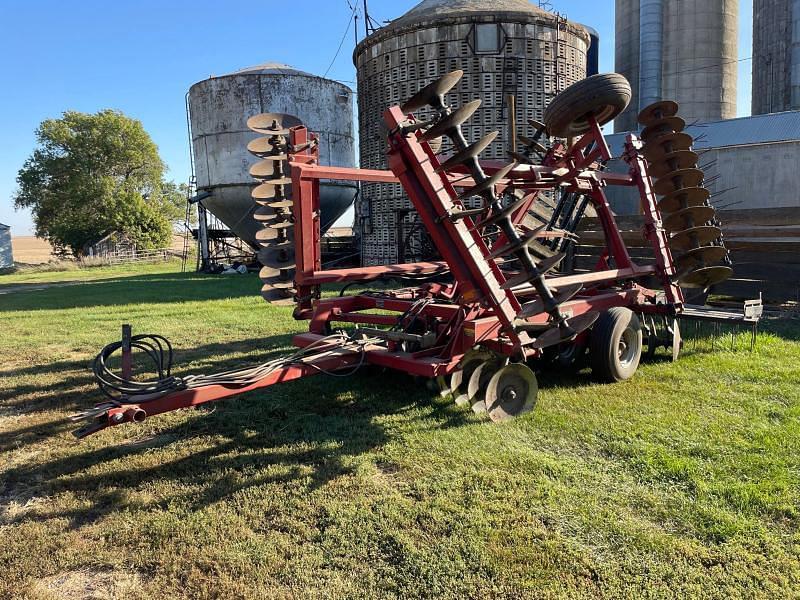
{"x":88,"y":584}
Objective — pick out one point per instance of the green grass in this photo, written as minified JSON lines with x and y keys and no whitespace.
{"x":680,"y":483}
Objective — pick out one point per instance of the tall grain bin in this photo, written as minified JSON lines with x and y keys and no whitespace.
{"x":503,"y":46}
{"x":6,"y":253}
{"x":219,"y":108}
{"x":683,"y":51}
{"x":776,"y":56}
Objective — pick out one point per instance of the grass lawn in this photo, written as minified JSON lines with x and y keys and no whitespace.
{"x":680,"y":483}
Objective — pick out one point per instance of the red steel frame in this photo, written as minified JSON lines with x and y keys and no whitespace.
{"x":471,"y":310}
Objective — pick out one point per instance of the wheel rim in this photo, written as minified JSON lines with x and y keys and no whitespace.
{"x":511,"y":392}
{"x":626,"y":348}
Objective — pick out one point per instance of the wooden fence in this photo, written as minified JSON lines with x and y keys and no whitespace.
{"x":764,"y":245}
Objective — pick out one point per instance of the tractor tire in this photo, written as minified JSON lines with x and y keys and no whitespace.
{"x":616,"y":345}
{"x":602,"y":96}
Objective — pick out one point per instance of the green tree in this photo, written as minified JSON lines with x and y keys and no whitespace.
{"x":94,"y":174}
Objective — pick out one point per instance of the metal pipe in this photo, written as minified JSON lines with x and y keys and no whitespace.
{"x":651,"y":51}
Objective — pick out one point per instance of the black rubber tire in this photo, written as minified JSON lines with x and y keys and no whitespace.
{"x":614,"y":326}
{"x":603,"y":96}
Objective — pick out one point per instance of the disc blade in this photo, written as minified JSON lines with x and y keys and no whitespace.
{"x":470,"y":152}
{"x":489,"y":183}
{"x":537,"y":125}
{"x":264,"y":214}
{"x":281,"y":205}
{"x":657,"y":148}
{"x":520,"y":158}
{"x":264,"y":147}
{"x":680,"y":159}
{"x":270,"y":234}
{"x":275,"y":295}
{"x":558,"y":335}
{"x":503,"y":214}
{"x":476,"y":388}
{"x":268,"y":273}
{"x":688,"y":218}
{"x":268,"y":123}
{"x":511,"y":392}
{"x":458,"y":215}
{"x":705,"y":277}
{"x":451,"y":121}
{"x":528,"y":238}
{"x":700,"y":257}
{"x":663,"y":126}
{"x":532,"y":144}
{"x":678,"y":180}
{"x":695,"y":237}
{"x":658,"y":111}
{"x":685,"y":198}
{"x":544,"y":267}
{"x":537,"y":307}
{"x":278,"y":256}
{"x":433,"y":93}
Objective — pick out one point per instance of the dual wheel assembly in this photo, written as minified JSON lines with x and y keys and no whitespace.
{"x":489,"y":383}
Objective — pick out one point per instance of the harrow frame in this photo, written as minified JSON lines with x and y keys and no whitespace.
{"x":474,"y":309}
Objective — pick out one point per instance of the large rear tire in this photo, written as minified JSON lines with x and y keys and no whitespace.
{"x":616,"y":345}
{"x":602,"y":96}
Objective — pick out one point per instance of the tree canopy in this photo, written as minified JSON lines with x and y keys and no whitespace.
{"x":94,"y":174}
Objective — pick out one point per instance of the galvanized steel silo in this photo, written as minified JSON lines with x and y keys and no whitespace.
{"x":219,"y":109}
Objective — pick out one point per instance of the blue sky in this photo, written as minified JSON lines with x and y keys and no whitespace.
{"x":141,"y":56}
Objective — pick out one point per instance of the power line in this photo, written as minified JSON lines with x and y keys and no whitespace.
{"x":344,"y":36}
{"x":727,"y":62}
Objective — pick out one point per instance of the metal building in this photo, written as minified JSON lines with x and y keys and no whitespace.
{"x":6,"y":253}
{"x":776,"y":56}
{"x":219,"y":108}
{"x":685,"y":51}
{"x":504,"y":47}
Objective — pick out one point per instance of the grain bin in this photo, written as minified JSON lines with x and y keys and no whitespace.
{"x":503,"y":46}
{"x":6,"y":253}
{"x":776,"y":56}
{"x":682,"y":51}
{"x":219,"y":108}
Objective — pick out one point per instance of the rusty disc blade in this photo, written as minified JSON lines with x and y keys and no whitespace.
{"x":700,"y":257}
{"x":268,"y":123}
{"x":476,"y":387}
{"x":470,"y":152}
{"x":266,"y":169}
{"x":503,"y":214}
{"x":489,"y":183}
{"x":281,"y":205}
{"x":688,"y":218}
{"x":695,"y":237}
{"x":451,"y":121}
{"x":532,"y":144}
{"x":685,"y":198}
{"x":705,"y":277}
{"x":678,"y":180}
{"x":511,"y":392}
{"x":268,"y":273}
{"x":433,"y":93}
{"x":278,"y":256}
{"x":267,"y":235}
{"x":537,"y":125}
{"x":657,"y":111}
{"x":544,"y":267}
{"x":264,"y":147}
{"x":657,"y":148}
{"x":536,"y":307}
{"x":264,"y":214}
{"x":680,"y":159}
{"x":558,"y":335}
{"x":664,"y":126}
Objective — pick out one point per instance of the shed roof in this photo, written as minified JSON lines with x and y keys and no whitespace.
{"x":4,"y":226}
{"x":743,"y":131}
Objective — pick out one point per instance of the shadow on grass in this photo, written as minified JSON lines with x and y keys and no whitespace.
{"x":311,"y":430}
{"x":136,"y":289}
